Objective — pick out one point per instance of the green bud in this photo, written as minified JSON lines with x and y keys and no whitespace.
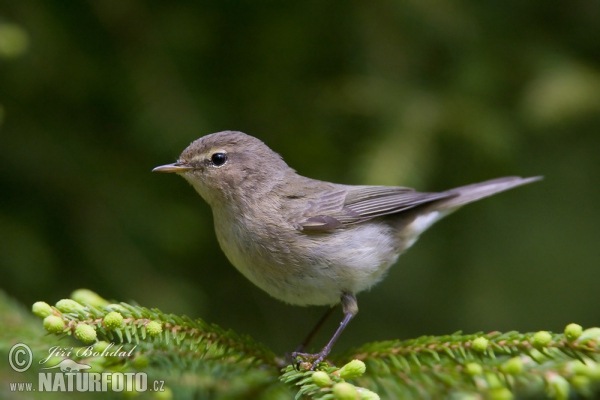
{"x":480,"y":344}
{"x":86,"y":296}
{"x":473,"y":369}
{"x":353,"y":369}
{"x":344,"y":391}
{"x":500,"y":393}
{"x":559,"y":387}
{"x":321,"y":379}
{"x":514,"y":366}
{"x":154,"y":328}
{"x":54,"y":324}
{"x":41,"y":309}
{"x":113,"y":320}
{"x":366,"y":394}
{"x":541,"y":339}
{"x":68,"y":305}
{"x":573,"y":332}
{"x":85,"y":333}
{"x":590,"y":333}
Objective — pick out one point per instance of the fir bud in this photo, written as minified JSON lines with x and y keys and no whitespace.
{"x":573,"y":332}
{"x":366,"y":394}
{"x":54,"y":324}
{"x":514,"y":366}
{"x":154,"y":328}
{"x":113,"y":320}
{"x":41,"y":309}
{"x":321,"y":379}
{"x":344,"y":391}
{"x":353,"y":369}
{"x":68,"y":305}
{"x":480,"y":344}
{"x":473,"y":369}
{"x":85,"y":333}
{"x":541,"y":339}
{"x":86,"y":296}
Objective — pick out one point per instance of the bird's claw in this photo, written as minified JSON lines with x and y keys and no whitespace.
{"x":312,"y":359}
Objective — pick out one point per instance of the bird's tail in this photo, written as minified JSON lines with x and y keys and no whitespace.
{"x":422,"y":217}
{"x":470,"y":193}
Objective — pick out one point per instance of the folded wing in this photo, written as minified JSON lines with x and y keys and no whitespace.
{"x":355,"y":204}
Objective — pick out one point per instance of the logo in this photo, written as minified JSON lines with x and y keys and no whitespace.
{"x":67,"y":365}
{"x":20,"y":357}
{"x":71,"y":376}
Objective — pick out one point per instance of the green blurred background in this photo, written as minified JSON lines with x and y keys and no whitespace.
{"x":428,"y":94}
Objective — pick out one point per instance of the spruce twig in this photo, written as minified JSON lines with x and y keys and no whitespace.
{"x":210,"y":359}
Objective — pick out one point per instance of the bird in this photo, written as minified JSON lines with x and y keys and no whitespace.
{"x":309,"y":242}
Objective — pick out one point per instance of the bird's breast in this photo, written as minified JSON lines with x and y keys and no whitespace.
{"x":305,"y":269}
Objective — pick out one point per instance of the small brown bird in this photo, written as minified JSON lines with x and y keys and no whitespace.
{"x":305,"y":241}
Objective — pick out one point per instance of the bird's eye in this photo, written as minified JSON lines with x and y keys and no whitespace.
{"x":218,"y":159}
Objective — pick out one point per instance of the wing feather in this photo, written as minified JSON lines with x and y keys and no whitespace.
{"x":355,"y":204}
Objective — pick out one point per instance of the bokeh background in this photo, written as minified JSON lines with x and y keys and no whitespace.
{"x":428,"y":94}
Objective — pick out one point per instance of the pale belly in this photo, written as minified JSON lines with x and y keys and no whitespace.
{"x":311,"y":269}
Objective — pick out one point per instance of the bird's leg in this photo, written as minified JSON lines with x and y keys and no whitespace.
{"x":311,"y":335}
{"x":350,"y":308}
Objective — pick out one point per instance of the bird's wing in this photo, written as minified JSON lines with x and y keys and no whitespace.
{"x":355,"y":204}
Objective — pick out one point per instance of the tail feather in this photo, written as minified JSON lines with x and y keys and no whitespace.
{"x":470,"y":193}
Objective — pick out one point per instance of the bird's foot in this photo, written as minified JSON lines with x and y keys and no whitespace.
{"x":310,"y":361}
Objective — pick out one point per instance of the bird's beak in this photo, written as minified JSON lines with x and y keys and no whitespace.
{"x":176,"y":168}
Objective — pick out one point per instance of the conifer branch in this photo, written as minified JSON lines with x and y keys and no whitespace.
{"x":494,"y":365}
